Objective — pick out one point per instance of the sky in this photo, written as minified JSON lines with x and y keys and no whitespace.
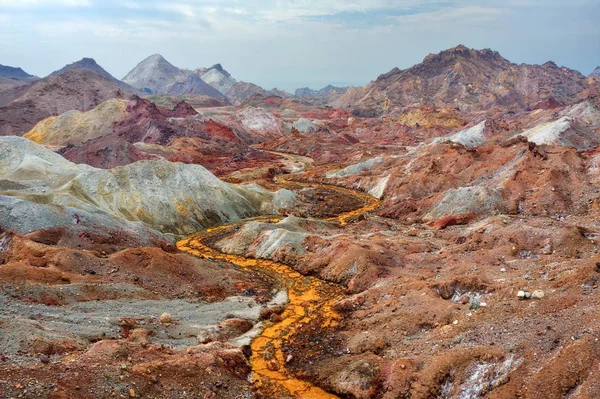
{"x":294,"y":43}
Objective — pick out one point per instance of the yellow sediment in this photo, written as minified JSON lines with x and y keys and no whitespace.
{"x":41,"y":131}
{"x":369,"y":203}
{"x":309,"y":299}
{"x":75,"y":127}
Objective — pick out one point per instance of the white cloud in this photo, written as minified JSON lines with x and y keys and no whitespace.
{"x":236,"y":11}
{"x":279,"y":10}
{"x":133,"y":5}
{"x":187,"y":10}
{"x":147,"y":29}
{"x":544,"y":3}
{"x":49,"y":3}
{"x":285,"y":10}
{"x":435,"y":20}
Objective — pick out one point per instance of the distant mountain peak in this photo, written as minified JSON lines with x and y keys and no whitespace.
{"x":88,"y":60}
{"x":84,"y":63}
{"x":459,"y":48}
{"x":321,"y":96}
{"x":451,"y":59}
{"x":217,"y":77}
{"x":155,"y":59}
{"x":153,"y":73}
{"x":90,"y":64}
{"x":465,"y":78}
{"x":219,"y":68}
{"x":463,"y":52}
{"x":596,"y":72}
{"x":156,"y":75}
{"x":13,"y":72}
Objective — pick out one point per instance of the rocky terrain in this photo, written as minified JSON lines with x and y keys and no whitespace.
{"x":166,"y":196}
{"x":120,"y":132}
{"x":433,"y":234}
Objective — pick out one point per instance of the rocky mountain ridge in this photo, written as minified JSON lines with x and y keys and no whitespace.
{"x":156,"y":75}
{"x":324,"y":95}
{"x":466,"y":79}
{"x":89,"y":64}
{"x":14,"y":76}
{"x":13,"y":73}
{"x":23,"y":106}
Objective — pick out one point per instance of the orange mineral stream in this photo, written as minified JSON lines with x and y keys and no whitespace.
{"x":309,"y":299}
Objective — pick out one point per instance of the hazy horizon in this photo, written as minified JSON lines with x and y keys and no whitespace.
{"x":292,"y":44}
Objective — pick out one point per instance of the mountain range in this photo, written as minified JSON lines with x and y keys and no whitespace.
{"x":156,"y":75}
{"x":459,"y":77}
{"x":325,"y":95}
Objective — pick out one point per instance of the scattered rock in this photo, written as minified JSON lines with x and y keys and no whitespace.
{"x":537,"y":294}
{"x":522,"y":294}
{"x":272,"y":365}
{"x":246,"y":351}
{"x":138,"y":335}
{"x":275,"y":318}
{"x":166,"y":318}
{"x":210,"y":395}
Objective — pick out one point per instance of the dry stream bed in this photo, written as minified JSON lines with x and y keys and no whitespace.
{"x":310,"y":299}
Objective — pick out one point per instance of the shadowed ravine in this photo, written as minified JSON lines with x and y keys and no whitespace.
{"x":310,"y":299}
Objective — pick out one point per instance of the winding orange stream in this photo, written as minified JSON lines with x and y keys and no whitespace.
{"x":309,"y":299}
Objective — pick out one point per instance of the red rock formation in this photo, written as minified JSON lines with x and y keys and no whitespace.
{"x":182,"y":110}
